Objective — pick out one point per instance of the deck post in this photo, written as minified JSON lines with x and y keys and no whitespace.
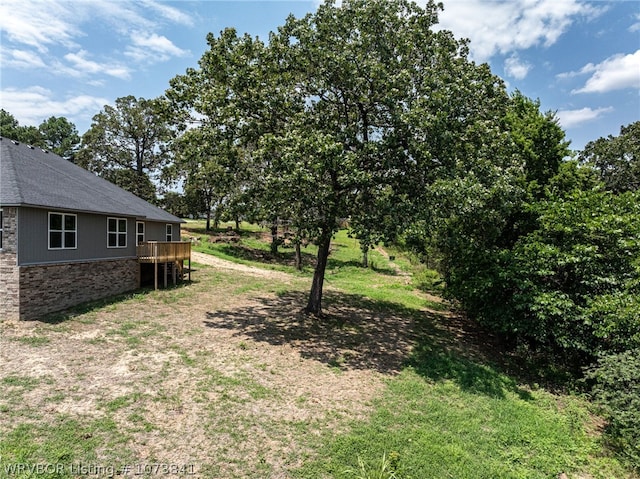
{"x":165,"y":274}
{"x":155,"y":274}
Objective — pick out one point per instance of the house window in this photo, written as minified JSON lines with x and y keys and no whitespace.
{"x":169,"y":233}
{"x":63,"y":231}
{"x":1,"y":227}
{"x":139,"y":232}
{"x":116,"y":233}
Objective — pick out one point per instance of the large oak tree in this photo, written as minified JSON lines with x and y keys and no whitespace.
{"x":350,"y":113}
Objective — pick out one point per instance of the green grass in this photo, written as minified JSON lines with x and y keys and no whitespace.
{"x":33,"y":340}
{"x":445,"y":415}
{"x":61,"y":447}
{"x":447,"y":412}
{"x":442,"y":429}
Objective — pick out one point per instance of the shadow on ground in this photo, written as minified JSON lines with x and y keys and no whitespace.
{"x":84,"y":308}
{"x":359,"y":333}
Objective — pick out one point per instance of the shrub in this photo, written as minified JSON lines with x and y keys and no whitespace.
{"x":571,"y":285}
{"x":616,"y":389}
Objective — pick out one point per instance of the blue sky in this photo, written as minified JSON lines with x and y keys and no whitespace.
{"x":70,"y":58}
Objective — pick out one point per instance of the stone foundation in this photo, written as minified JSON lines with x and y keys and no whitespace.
{"x":9,"y":288}
{"x":53,"y":287}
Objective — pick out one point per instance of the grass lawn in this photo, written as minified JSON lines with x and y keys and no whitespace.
{"x":226,"y":378}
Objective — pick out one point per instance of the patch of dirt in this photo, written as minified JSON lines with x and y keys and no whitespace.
{"x":219,"y":263}
{"x":238,"y":385}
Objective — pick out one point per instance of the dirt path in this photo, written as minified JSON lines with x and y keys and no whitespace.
{"x":219,"y":263}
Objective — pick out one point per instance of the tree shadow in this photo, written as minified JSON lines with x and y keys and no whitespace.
{"x":58,"y":317}
{"x":357,"y":333}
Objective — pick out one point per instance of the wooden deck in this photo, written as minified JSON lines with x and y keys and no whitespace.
{"x":172,"y":253}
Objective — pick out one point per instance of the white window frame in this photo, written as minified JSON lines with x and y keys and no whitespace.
{"x":138,"y":234}
{"x":117,"y":232}
{"x":168,"y":232}
{"x":63,"y":232}
{"x":1,"y":228}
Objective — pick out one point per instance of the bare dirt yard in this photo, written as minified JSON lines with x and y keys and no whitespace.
{"x":224,"y":376}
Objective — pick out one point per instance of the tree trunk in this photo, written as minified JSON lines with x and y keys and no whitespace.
{"x":314,"y":306}
{"x":298,"y":256}
{"x":237,"y":224}
{"x":208,"y":204}
{"x":274,"y":238}
{"x":365,"y":258}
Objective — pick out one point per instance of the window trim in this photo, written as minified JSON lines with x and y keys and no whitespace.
{"x":117,"y":232}
{"x":63,"y":231}
{"x":144,"y":232}
{"x":168,"y":230}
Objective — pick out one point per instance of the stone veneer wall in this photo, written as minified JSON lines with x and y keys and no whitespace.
{"x":9,"y":284}
{"x":53,"y":287}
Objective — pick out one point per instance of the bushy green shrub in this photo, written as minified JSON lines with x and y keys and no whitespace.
{"x":616,"y":389}
{"x":575,"y":280}
{"x":571,"y":285}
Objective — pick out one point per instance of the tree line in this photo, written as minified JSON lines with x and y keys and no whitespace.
{"x":366,"y":114}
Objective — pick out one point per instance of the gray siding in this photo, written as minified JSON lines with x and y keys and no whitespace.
{"x":155,"y":231}
{"x":33,"y":237}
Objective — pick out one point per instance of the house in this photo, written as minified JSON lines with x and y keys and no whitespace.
{"x":68,"y":236}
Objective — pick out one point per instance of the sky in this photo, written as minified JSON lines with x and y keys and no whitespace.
{"x":581,"y":59}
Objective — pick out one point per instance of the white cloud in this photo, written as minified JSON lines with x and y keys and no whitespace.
{"x":169,"y":13}
{"x":33,"y":105}
{"x":38,"y":24}
{"x":153,"y":48}
{"x":571,"y":118}
{"x":615,"y":73}
{"x":80,"y":66}
{"x":516,"y":68}
{"x":636,"y":26}
{"x":507,"y":26}
{"x":21,"y":59}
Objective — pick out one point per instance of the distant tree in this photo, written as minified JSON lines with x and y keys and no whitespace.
{"x":175,"y":203}
{"x":616,"y":158}
{"x":8,"y":125}
{"x":133,"y":137}
{"x":10,"y":128}
{"x":60,"y":136}
{"x":31,"y":136}
{"x":210,"y":163}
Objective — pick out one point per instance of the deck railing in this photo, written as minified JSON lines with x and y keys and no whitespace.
{"x":171,"y":253}
{"x":163,"y":251}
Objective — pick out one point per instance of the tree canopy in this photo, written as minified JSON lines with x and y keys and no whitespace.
{"x":349,"y":113}
{"x":56,"y":134}
{"x":128,"y":144}
{"x":616,"y":158}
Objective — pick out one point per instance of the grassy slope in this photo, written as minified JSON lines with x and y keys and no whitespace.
{"x":449,"y":411}
{"x":446,"y":415}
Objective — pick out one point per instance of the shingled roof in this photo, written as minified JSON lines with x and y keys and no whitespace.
{"x":34,"y":177}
